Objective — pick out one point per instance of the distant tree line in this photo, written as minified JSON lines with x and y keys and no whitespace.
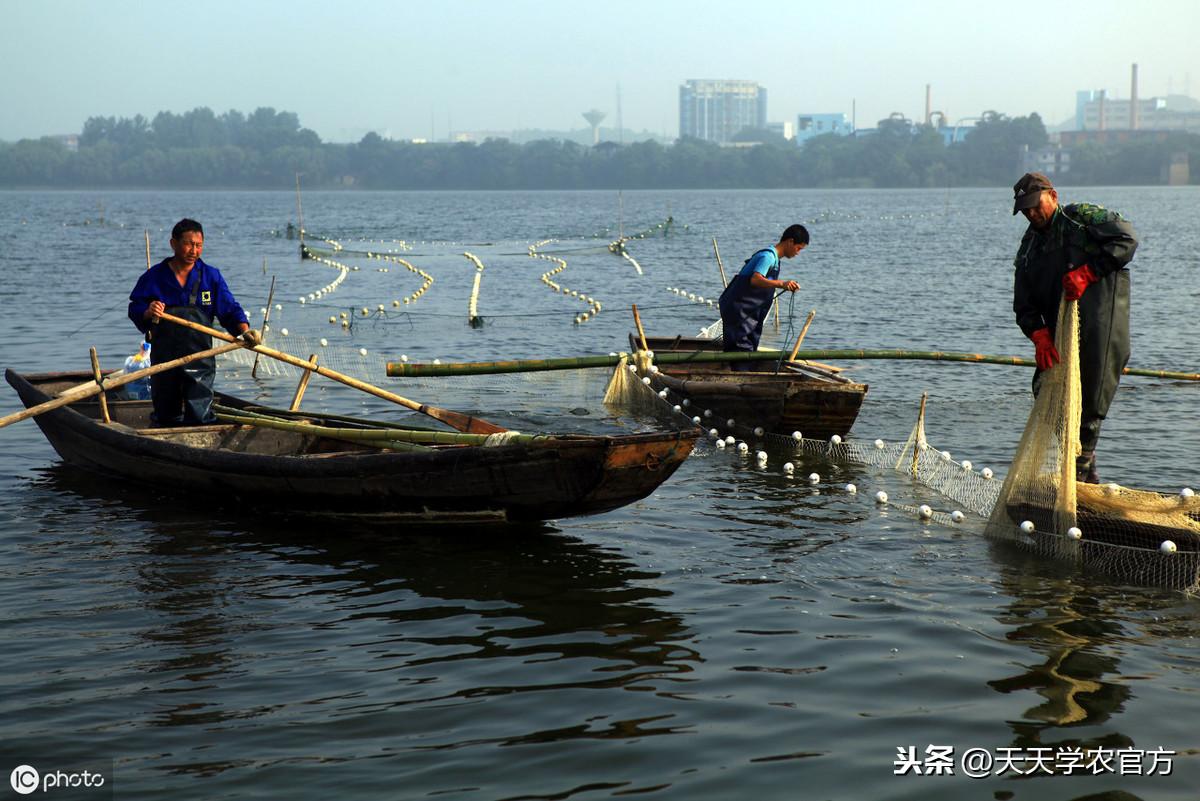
{"x":267,"y":148}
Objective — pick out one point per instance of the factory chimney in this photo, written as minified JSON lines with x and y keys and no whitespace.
{"x":1133,"y":100}
{"x":928,"y":107}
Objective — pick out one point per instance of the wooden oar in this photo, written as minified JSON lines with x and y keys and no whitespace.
{"x":81,"y":391}
{"x":720,"y":264}
{"x":456,"y":420}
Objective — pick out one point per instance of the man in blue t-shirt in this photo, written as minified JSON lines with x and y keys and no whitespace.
{"x":186,"y":287}
{"x":746,"y":301}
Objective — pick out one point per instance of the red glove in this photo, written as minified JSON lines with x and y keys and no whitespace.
{"x":1046,"y":354}
{"x":1077,"y":280}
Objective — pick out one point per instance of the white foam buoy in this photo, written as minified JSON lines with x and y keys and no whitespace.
{"x":324,"y":342}
{"x":1186,"y":492}
{"x":362,"y":351}
{"x":946,"y":455}
{"x":696,"y":420}
{"x":924,"y":511}
{"x":662,"y":394}
{"x":850,"y":488}
{"x":743,"y":447}
{"x":1027,"y":526}
{"x":967,"y":465}
{"x":814,"y":478}
{"x":835,"y":440}
{"x":646,"y":380}
{"x":789,"y":468}
{"x":986,"y":472}
{"x":730,"y":440}
{"x":758,"y":431}
{"x":957,"y":516}
{"x":283,"y":331}
{"x":762,"y":456}
{"x":302,"y":300}
{"x":796,"y":435}
{"x":708,"y":412}
{"x":437,"y":361}
{"x":278,"y":307}
{"x":881,"y":497}
{"x":677,"y":408}
{"x":403,"y":357}
{"x":1074,"y":533}
{"x":879,"y":444}
{"x":1167,"y":547}
{"x":712,"y":432}
{"x":1112,"y":489}
{"x":687,"y":401}
{"x":720,"y":443}
{"x":729,"y":423}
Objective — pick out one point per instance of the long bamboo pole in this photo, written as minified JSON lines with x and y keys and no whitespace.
{"x":266,"y":319}
{"x":410,"y":369}
{"x":457,"y":420}
{"x":720,"y":264}
{"x":147,"y":233}
{"x":110,"y":382}
{"x":637,"y":320}
{"x":303,"y":385}
{"x":382,"y":435}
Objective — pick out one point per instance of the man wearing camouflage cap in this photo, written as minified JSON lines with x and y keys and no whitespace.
{"x":1080,"y":252}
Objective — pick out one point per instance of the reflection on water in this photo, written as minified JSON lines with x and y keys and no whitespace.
{"x":738,"y":634}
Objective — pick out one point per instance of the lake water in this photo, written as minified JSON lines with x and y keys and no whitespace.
{"x":736,"y":635}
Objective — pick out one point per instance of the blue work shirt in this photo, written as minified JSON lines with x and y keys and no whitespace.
{"x":761,"y":262}
{"x":213,"y":295}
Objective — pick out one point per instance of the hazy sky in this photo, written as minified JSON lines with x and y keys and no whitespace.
{"x":406,"y":69}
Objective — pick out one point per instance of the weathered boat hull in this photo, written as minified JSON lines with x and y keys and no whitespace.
{"x":814,"y":401}
{"x":301,"y":473}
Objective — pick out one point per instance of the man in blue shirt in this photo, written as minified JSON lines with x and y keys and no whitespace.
{"x":186,"y":287}
{"x":746,"y":301}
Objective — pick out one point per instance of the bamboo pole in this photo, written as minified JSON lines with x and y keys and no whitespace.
{"x":803,"y":331}
{"x":266,"y":319}
{"x":299,"y":213}
{"x":147,"y":233}
{"x":382,"y":435}
{"x":637,"y":320}
{"x":458,"y":420}
{"x":303,"y":385}
{"x":83,"y":391}
{"x":99,"y":381}
{"x":410,"y":369}
{"x":720,"y":264}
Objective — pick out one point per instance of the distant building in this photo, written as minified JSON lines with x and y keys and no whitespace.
{"x":784,"y":129}
{"x":1053,"y":161}
{"x":810,"y":125}
{"x":69,"y":141}
{"x":1096,"y":111}
{"x":716,"y":111}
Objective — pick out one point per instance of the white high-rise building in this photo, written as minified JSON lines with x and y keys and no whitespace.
{"x":717,"y":111}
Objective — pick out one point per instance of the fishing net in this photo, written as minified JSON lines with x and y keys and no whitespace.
{"x":1146,"y":536}
{"x":1139,"y":536}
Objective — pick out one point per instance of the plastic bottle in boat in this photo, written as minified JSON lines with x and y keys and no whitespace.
{"x":140,"y":389}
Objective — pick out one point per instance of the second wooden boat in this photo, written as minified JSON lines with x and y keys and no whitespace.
{"x":799,"y":397}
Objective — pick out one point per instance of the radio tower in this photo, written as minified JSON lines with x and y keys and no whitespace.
{"x":594,"y":118}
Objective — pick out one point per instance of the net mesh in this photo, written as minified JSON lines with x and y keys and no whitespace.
{"x":1140,"y":536}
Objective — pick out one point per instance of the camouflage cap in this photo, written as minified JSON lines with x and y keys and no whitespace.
{"x":1028,"y":190}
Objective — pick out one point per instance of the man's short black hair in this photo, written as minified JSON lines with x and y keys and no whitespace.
{"x":187,"y":224}
{"x":797,"y":233}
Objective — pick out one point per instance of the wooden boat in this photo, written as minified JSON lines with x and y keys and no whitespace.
{"x":294,"y":471}
{"x":800,"y":397}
